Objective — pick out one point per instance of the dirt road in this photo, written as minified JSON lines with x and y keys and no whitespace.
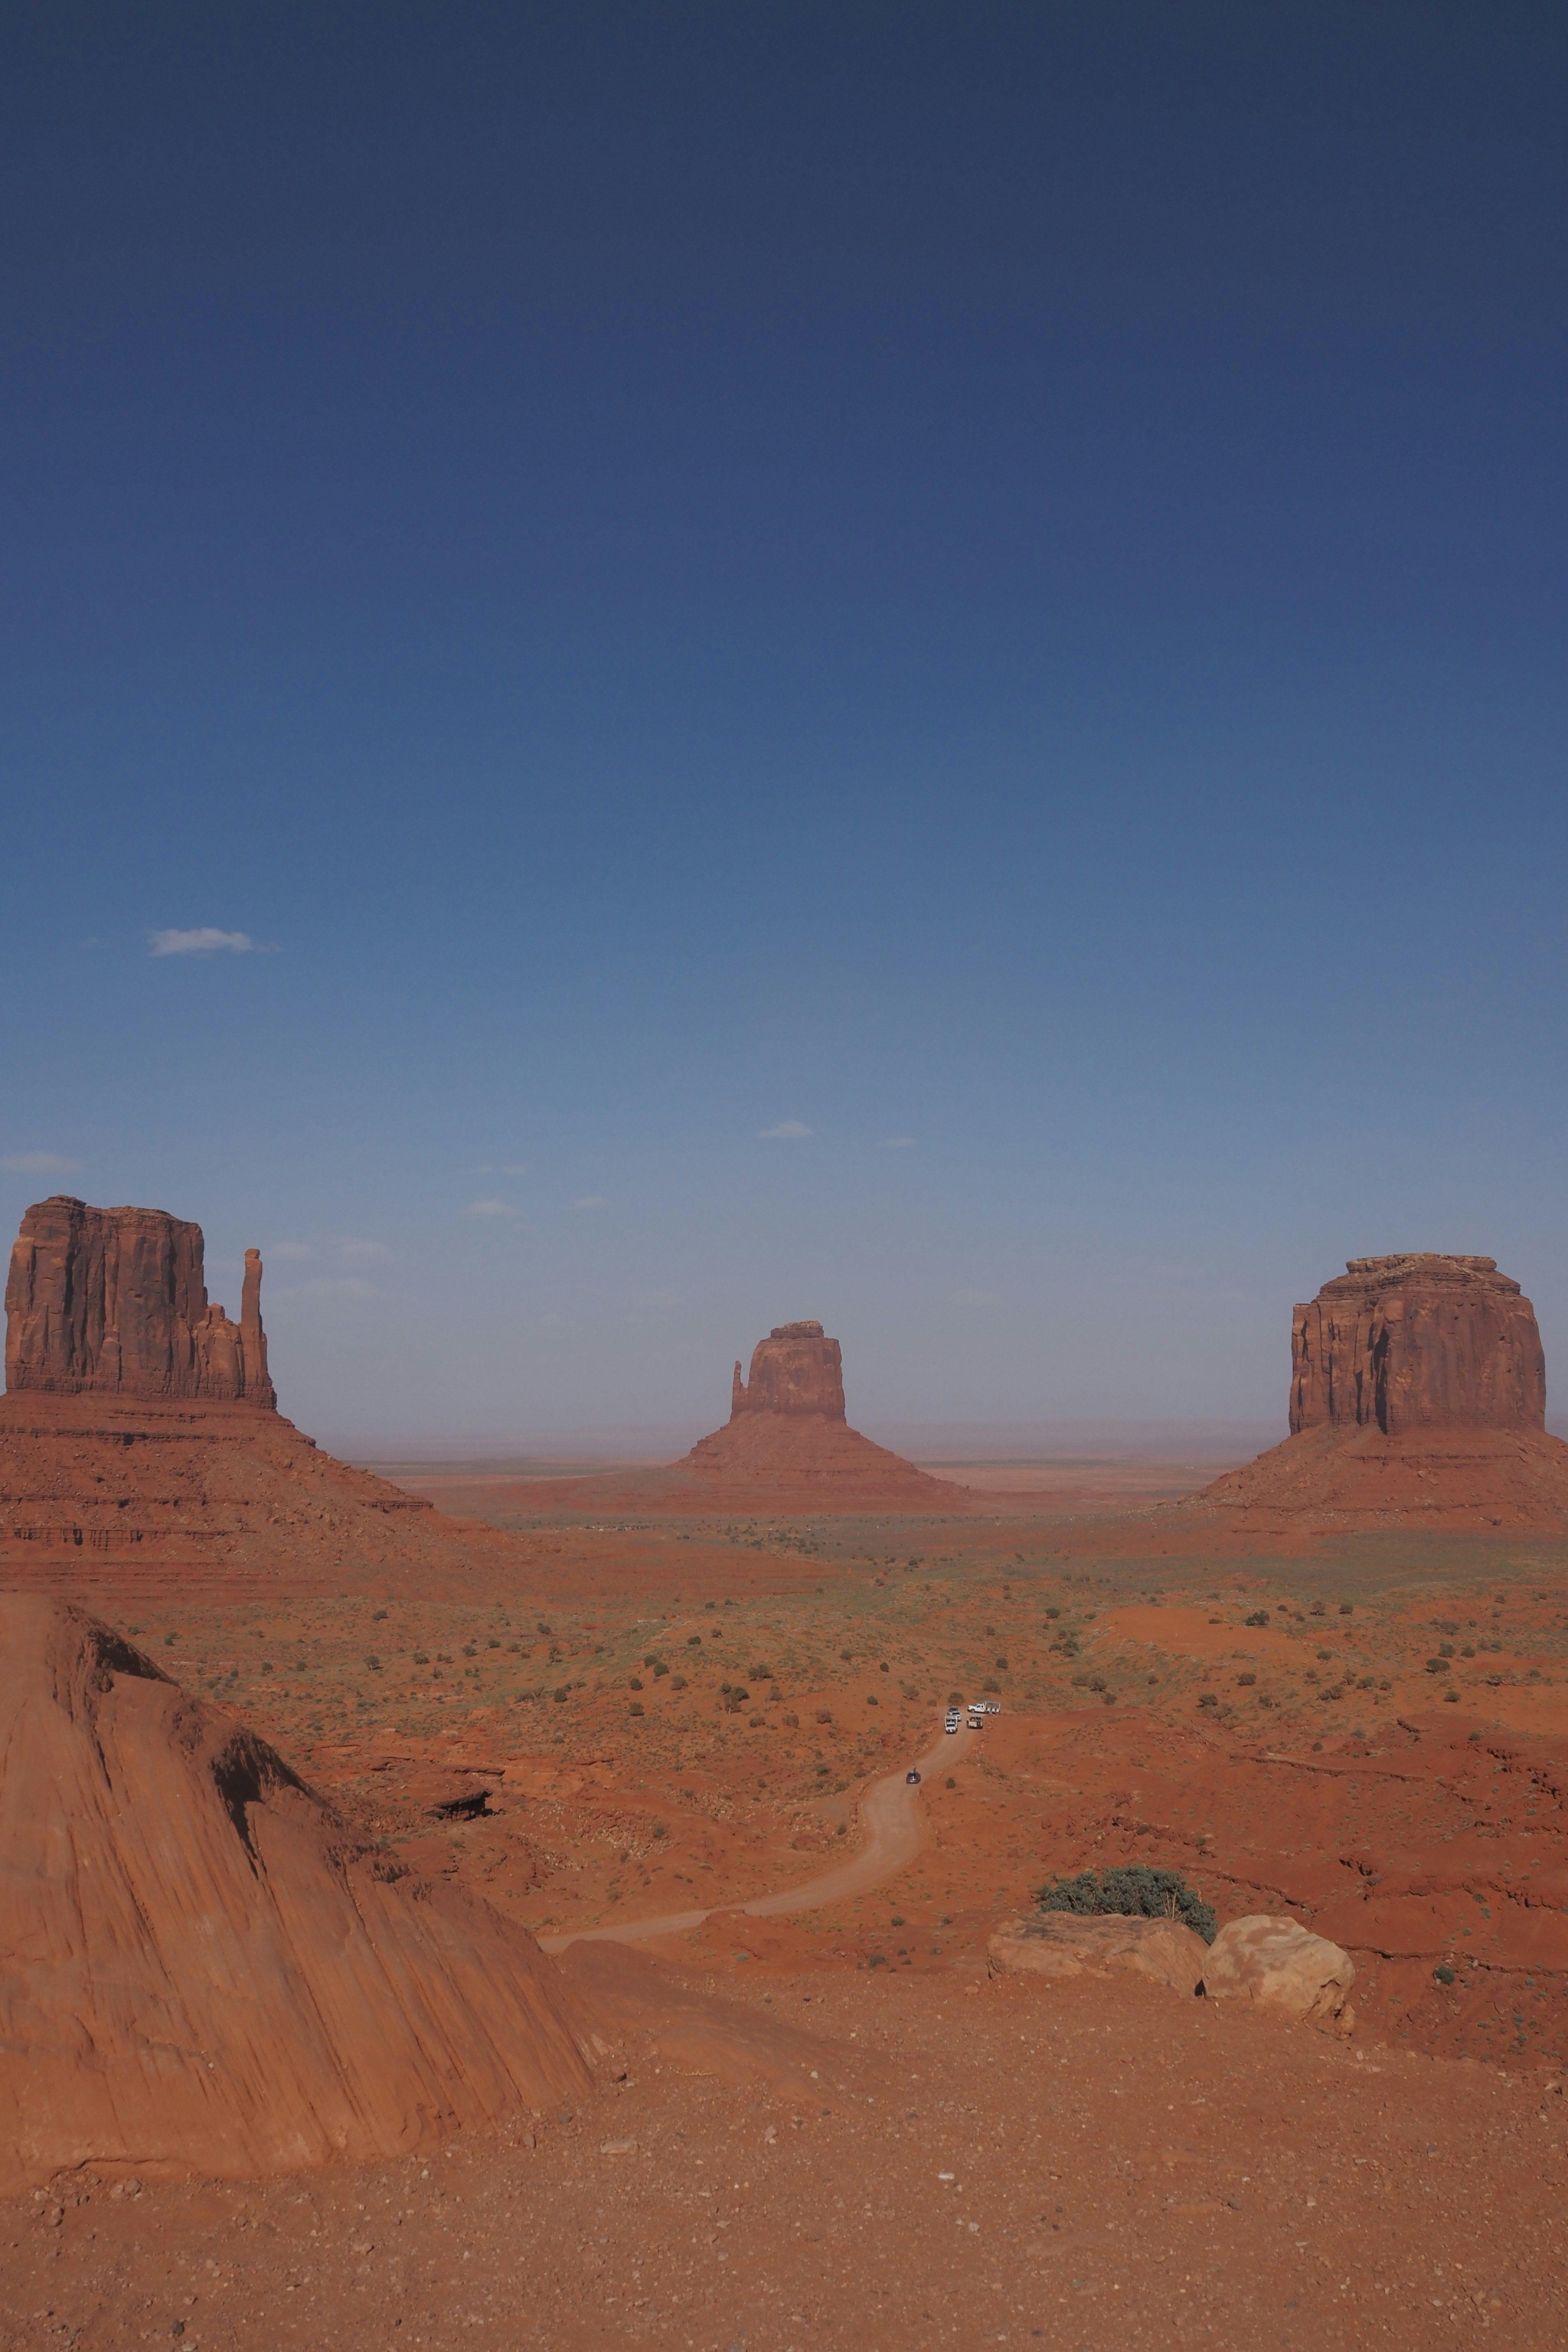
{"x":894,"y":1819}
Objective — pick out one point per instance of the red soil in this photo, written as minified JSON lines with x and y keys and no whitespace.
{"x":1459,"y":1480}
{"x":1096,"y":2132}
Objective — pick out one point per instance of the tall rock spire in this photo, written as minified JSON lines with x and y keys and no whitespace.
{"x":114,"y":1302}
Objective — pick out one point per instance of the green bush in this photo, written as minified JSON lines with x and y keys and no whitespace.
{"x":1134,"y":1891}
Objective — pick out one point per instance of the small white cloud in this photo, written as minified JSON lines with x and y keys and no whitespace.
{"x":491,"y":1209}
{"x":898,"y":1143}
{"x":40,"y":1164}
{"x":786,"y":1127}
{"x":204,"y":941}
{"x":365,"y":1253}
{"x":346,"y":1286}
{"x":290,"y":1249}
{"x":592,"y":1201}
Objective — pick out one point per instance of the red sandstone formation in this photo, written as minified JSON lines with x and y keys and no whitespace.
{"x":1417,"y":1398}
{"x":201,"y":1970}
{"x":794,"y":1370}
{"x":787,"y":1447}
{"x":1417,"y":1342}
{"x":113,"y":1302}
{"x":130,"y":1443}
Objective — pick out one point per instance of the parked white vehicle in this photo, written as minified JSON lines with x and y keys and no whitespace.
{"x":954,"y":1719}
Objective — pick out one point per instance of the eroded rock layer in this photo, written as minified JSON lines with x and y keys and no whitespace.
{"x":1417,"y":1341}
{"x":201,"y":1970}
{"x":113,"y":1302}
{"x":795,"y":1370}
{"x":148,"y":1496}
{"x":1417,"y":1398}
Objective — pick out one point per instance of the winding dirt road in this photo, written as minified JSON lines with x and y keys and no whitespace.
{"x":895,"y":1822}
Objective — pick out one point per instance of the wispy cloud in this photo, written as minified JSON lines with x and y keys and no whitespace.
{"x":898,"y":1143}
{"x":491,"y":1209}
{"x":290,"y":1249}
{"x":787,"y":1128}
{"x":40,"y":1164}
{"x":204,"y":941}
{"x":359,"y":1253}
{"x":592,"y":1201}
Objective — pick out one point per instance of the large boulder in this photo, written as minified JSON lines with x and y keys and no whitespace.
{"x":1417,"y":1341}
{"x":1069,"y":1944}
{"x":114,"y":1302}
{"x":1277,"y":1965}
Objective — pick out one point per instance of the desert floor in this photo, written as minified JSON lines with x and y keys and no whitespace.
{"x":842,"y":2130}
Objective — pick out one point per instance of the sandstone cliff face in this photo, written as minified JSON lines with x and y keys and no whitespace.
{"x":794,"y":1370}
{"x":201,"y":1970}
{"x":1417,"y":1341}
{"x":115,"y":1301}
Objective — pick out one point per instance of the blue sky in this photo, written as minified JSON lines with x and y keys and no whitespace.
{"x":984,"y":583}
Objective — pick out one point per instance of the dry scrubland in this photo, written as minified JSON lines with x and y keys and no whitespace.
{"x":1382,"y":1756}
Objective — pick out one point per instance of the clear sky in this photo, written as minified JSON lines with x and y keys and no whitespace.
{"x":903,"y":663}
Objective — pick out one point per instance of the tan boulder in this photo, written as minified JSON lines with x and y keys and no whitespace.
{"x":1069,"y":1944}
{"x":1277,"y":1965}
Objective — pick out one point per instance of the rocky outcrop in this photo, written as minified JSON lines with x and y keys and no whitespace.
{"x":794,"y":1370}
{"x":1063,"y":1944}
{"x":201,"y":1970}
{"x":1417,"y":1341}
{"x":113,"y":1302}
{"x":1277,"y":1965}
{"x":1417,"y":1398}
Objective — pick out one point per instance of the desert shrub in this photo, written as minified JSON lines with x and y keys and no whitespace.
{"x":694,"y":1641}
{"x":1246,"y":1681}
{"x":1053,"y":1613}
{"x":634,"y":1682}
{"x":951,"y":1781}
{"x":658,"y":1829}
{"x":561,"y":1695}
{"x":1209,"y":1698}
{"x":791,"y":1722}
{"x":636,"y":1707}
{"x":823,"y":1715}
{"x":1347,"y":1609}
{"x":955,"y":1698}
{"x":1133,"y":1891}
{"x":1259,"y":1617}
{"x":677,"y":1681}
{"x":1443,"y":1973}
{"x":1436,"y":1666}
{"x":1451,"y":1697}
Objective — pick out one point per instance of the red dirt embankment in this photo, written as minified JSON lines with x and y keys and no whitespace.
{"x":200,"y":1970}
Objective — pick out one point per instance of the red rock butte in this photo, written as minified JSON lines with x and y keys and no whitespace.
{"x":787,"y":1445}
{"x":139,"y":1432}
{"x":1417,"y":1398}
{"x":113,"y":1302}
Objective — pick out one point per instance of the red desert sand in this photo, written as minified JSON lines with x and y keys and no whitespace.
{"x":533,"y":1938}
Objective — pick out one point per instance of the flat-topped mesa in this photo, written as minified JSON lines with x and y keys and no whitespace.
{"x":1417,"y":1341}
{"x":794,"y":1370}
{"x":114,"y":1302}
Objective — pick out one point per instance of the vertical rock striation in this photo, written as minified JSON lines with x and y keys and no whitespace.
{"x":1417,"y":1341}
{"x":794,"y":1370}
{"x":114,"y":1302}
